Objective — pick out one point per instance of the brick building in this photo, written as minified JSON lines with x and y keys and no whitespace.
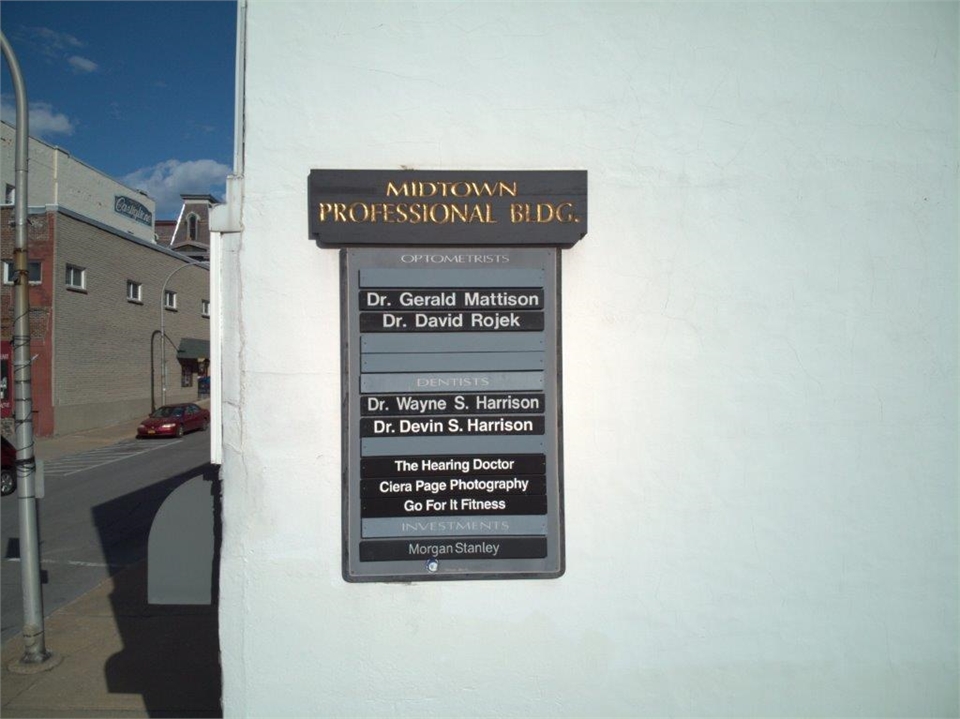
{"x":101,"y":287}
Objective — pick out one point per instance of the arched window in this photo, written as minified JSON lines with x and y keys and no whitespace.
{"x":192,"y":222}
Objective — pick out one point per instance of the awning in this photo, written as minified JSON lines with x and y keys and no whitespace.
{"x":193,"y":349}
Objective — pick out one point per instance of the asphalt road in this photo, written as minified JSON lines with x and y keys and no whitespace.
{"x":95,"y":518}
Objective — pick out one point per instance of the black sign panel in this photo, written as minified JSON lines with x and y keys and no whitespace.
{"x":413,"y":506}
{"x":452,"y":299}
{"x":452,"y":414}
{"x":450,"y":426}
{"x":451,"y":321}
{"x":477,"y":403}
{"x":444,"y":207}
{"x":453,"y":486}
{"x":461,"y":548}
{"x":413,"y":465}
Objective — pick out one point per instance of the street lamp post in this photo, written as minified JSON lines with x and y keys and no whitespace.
{"x":35,"y":657}
{"x":163,"y":336}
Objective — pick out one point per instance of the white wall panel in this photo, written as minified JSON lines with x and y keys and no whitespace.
{"x":759,"y":354}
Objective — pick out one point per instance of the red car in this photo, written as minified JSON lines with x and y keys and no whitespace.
{"x":8,"y":482}
{"x":174,"y":420}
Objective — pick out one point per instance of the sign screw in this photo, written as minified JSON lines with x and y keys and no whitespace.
{"x":433,"y":564}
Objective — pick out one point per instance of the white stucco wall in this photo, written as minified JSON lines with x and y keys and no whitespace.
{"x":759,"y":351}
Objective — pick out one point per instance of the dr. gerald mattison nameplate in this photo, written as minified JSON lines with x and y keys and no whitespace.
{"x":452,"y":466}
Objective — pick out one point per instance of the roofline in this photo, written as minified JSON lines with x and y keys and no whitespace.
{"x":66,"y":152}
{"x":176,"y":227}
{"x":43,"y":209}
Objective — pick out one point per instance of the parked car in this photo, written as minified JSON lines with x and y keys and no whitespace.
{"x":174,"y":420}
{"x":8,"y":479}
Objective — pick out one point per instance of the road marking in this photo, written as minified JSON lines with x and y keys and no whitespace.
{"x":72,"y":563}
{"x":95,"y":458}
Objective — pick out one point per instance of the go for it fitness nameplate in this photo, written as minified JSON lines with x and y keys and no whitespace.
{"x":451,"y":394}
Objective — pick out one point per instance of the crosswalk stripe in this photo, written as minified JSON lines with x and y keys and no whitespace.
{"x":98,"y":458}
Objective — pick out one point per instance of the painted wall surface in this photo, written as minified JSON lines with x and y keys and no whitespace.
{"x":759,"y":351}
{"x":56,"y":178}
{"x":104,"y":361}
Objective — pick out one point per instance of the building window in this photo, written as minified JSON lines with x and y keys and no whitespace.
{"x":134,"y":292}
{"x":9,"y":194}
{"x":192,"y":222}
{"x":33,"y":268}
{"x":169,"y":299}
{"x":76,"y":278}
{"x":186,"y":376}
{"x":204,"y":308}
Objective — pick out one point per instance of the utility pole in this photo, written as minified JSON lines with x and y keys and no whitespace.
{"x":35,"y":656}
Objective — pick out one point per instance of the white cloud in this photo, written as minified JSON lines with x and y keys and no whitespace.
{"x":44,"y":122}
{"x":166,"y":181}
{"x":82,"y":64}
{"x":8,"y":110}
{"x":60,"y":46}
{"x":53,"y":43}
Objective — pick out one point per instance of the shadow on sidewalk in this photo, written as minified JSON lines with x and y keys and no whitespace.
{"x":171,"y":653}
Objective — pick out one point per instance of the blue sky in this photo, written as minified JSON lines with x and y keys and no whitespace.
{"x":140,"y":90}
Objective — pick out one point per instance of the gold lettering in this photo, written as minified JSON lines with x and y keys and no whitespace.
{"x":565,"y":213}
{"x":458,"y":213}
{"x":544,"y":213}
{"x":433,"y":214}
{"x":443,"y":213}
{"x":444,"y":188}
{"x":362,"y":206}
{"x":481,"y":213}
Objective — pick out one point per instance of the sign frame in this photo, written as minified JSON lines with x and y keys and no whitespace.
{"x":422,"y":268}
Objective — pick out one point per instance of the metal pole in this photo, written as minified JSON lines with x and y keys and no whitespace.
{"x":153,"y":374}
{"x":35,"y":650}
{"x":163,"y":345}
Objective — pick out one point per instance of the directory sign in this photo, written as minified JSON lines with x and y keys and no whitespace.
{"x":451,"y":401}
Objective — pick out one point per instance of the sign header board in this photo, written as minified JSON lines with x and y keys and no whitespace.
{"x":447,"y":207}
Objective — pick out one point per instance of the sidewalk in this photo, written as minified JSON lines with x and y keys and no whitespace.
{"x":120,"y":657}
